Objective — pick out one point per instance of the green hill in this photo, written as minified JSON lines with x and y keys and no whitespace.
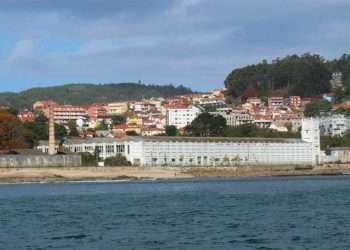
{"x":89,"y":93}
{"x":305,"y":75}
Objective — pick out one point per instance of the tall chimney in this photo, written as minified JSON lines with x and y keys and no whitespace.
{"x":52,"y":140}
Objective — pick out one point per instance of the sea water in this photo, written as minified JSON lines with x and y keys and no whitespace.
{"x":242,"y":213}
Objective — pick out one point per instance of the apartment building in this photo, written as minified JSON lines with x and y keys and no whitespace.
{"x":294,"y":101}
{"x":234,"y":118}
{"x":275,"y":102}
{"x":181,"y":115}
{"x":96,"y":111}
{"x":334,"y":125}
{"x":65,"y":113}
{"x":117,"y":108}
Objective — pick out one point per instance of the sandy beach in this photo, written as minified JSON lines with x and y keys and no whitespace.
{"x":18,"y":175}
{"x":14,"y":175}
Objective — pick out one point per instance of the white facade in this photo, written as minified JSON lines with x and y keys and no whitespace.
{"x":235,"y":119}
{"x":310,"y":133}
{"x":225,"y":152}
{"x":182,"y":116}
{"x":334,"y":125}
{"x":64,"y":114}
{"x":196,"y":151}
{"x":106,"y":147}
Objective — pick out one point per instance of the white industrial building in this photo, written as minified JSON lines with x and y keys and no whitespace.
{"x":204,"y":151}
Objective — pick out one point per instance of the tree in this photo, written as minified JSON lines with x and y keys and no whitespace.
{"x":131,"y":133}
{"x":102,"y":126}
{"x":246,"y":130}
{"x":249,"y":92}
{"x":305,"y":75}
{"x":73,"y":131}
{"x":60,"y":131}
{"x":207,"y":125}
{"x":315,"y":108}
{"x":88,"y":159}
{"x":117,"y":161}
{"x":118,"y":119}
{"x":335,"y":141}
{"x":289,"y":126}
{"x":170,"y":130}
{"x":250,"y":130}
{"x":12,"y":132}
{"x":40,"y":129}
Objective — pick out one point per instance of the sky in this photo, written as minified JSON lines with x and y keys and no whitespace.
{"x":196,"y":43}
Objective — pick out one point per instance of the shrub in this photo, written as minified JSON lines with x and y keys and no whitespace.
{"x":117,"y":161}
{"x":88,"y":159}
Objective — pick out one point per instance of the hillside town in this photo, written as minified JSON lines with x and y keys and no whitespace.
{"x":150,"y":117}
{"x":253,"y":120}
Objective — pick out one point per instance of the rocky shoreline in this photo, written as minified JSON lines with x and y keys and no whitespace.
{"x":27,"y":175}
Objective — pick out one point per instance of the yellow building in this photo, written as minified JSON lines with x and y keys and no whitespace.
{"x":134,"y":120}
{"x":117,"y":108}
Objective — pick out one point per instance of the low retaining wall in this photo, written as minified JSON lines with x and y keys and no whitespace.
{"x":26,"y":161}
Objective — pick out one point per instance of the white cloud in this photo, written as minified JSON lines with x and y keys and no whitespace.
{"x":23,"y":50}
{"x":183,"y":41}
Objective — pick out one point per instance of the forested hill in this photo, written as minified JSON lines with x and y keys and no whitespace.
{"x":90,"y":93}
{"x":305,"y":75}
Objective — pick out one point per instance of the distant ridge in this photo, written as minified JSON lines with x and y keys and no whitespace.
{"x":86,"y":93}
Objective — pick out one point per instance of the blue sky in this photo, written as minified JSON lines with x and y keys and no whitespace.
{"x":191,"y":42}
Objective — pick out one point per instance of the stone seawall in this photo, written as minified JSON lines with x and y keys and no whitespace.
{"x":27,"y":161}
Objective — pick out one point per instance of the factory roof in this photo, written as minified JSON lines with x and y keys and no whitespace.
{"x":99,"y":140}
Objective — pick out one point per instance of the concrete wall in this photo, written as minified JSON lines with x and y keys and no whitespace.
{"x":23,"y":161}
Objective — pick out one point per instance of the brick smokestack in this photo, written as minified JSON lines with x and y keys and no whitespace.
{"x":52,"y":140}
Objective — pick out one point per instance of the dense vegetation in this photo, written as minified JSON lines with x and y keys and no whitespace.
{"x":13,"y":134}
{"x":89,"y":160}
{"x":39,"y":129}
{"x":170,"y":130}
{"x":89,"y":93}
{"x":305,"y":75}
{"x":207,"y":125}
{"x":335,"y":141}
{"x":316,"y":108}
{"x":215,"y":125}
{"x":250,"y":130}
{"x":117,"y":161}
